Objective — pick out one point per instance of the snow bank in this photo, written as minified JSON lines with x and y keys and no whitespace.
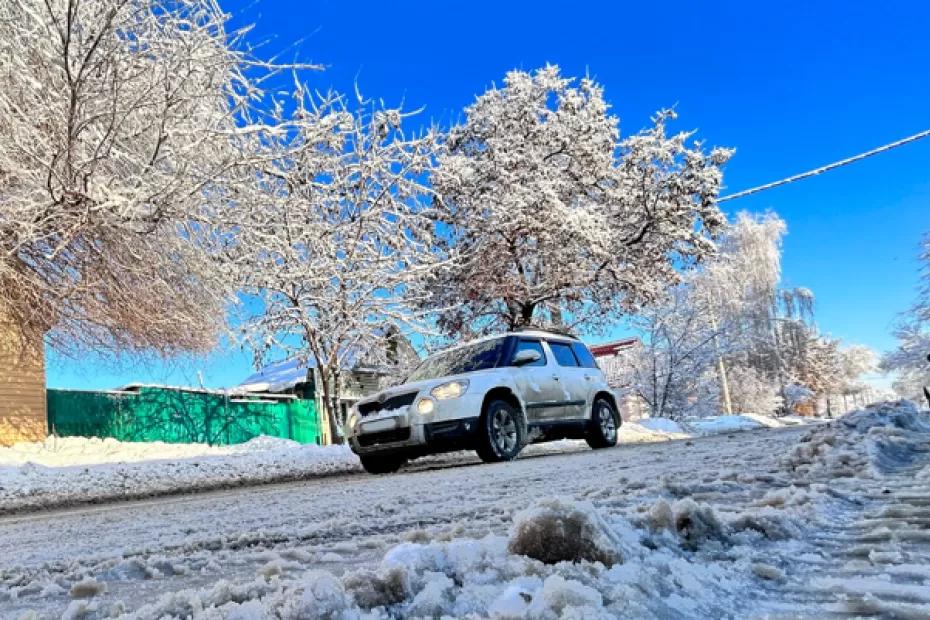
{"x":661,"y":424}
{"x":871,"y":442}
{"x":71,"y":470}
{"x":744,"y":422}
{"x":650,"y":429}
{"x":75,"y":451}
{"x":722,"y":424}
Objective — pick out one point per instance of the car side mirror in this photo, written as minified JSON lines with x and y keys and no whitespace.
{"x":526,"y":356}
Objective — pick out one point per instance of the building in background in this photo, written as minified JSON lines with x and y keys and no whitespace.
{"x":614,"y":359}
{"x":357,"y":379}
{"x":22,"y":387}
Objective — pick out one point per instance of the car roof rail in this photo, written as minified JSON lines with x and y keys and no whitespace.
{"x":556,"y":331}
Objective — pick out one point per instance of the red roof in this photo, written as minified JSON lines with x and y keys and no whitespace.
{"x":612,"y":348}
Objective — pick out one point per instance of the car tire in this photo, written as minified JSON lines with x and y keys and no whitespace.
{"x":604,"y":426}
{"x":501,"y":432}
{"x":382,"y":463}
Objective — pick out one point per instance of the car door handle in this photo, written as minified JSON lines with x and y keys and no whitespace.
{"x":556,"y":377}
{"x":588,"y":378}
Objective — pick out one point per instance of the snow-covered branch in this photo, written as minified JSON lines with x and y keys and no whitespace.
{"x":556,"y":217}
{"x":335,"y":236}
{"x":119,"y":132}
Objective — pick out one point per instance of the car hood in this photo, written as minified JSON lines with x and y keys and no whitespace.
{"x":422,"y":387}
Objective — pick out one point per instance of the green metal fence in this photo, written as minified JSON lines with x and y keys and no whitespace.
{"x":180,"y":416}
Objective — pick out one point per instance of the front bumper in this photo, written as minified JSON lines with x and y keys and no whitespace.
{"x":451,"y":426}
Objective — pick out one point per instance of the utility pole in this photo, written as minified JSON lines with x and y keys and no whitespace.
{"x":721,"y":370}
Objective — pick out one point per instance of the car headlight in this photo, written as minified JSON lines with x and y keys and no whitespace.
{"x":425,"y":406}
{"x":353,"y":420}
{"x":452,"y":389}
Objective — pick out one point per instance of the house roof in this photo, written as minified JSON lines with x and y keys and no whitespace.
{"x":278,"y":376}
{"x":606,"y":349}
{"x":284,"y":375}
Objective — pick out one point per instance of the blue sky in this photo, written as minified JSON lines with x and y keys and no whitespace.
{"x":790,"y":85}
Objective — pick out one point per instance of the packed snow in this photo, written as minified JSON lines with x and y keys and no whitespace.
{"x":793,"y":521}
{"x":64,"y":471}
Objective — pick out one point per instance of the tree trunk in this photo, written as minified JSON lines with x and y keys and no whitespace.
{"x":328,"y":399}
{"x":334,"y":409}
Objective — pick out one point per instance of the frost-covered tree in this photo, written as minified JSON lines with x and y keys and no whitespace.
{"x":752,"y":391}
{"x":729,"y":333}
{"x":558,"y":219}
{"x":909,"y":360}
{"x":855,"y":361}
{"x":827,"y":368}
{"x":334,"y":238}
{"x":674,"y":371}
{"x":738,"y":287}
{"x":118,"y":124}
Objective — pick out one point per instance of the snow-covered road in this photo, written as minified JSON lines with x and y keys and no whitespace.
{"x":778,"y":521}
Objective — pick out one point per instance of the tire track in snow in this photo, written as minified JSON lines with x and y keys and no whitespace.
{"x":874,"y":532}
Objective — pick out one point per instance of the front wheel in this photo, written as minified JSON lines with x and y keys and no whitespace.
{"x":501,"y":433}
{"x":382,"y":463}
{"x":602,"y":429}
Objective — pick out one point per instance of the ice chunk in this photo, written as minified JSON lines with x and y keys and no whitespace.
{"x":371,"y":589}
{"x":87,"y":588}
{"x":696,"y":523}
{"x":556,"y":530}
{"x":767,"y":571}
{"x":323,"y":597}
{"x":560,"y":596}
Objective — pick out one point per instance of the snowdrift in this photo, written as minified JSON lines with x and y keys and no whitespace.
{"x":64,"y":471}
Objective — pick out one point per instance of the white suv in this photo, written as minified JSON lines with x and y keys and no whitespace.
{"x":492,"y":395}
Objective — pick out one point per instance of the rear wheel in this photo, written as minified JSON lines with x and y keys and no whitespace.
{"x":382,"y":463}
{"x":501,"y":433}
{"x":602,"y":429}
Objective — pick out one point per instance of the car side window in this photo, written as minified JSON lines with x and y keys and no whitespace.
{"x":532,"y":345}
{"x":563,"y":353}
{"x":584,"y":355}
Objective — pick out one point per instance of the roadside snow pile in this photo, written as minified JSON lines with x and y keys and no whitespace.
{"x":663,"y":429}
{"x":650,"y":429}
{"x":75,"y":451}
{"x":70,"y":470}
{"x":868,"y":443}
{"x":722,"y":424}
{"x":663,"y":425}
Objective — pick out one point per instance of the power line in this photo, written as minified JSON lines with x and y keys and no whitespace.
{"x":828,"y":167}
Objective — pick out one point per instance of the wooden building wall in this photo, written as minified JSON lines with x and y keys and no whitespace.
{"x":22,"y":387}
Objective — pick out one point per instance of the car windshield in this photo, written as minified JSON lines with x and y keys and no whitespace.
{"x":469,"y":358}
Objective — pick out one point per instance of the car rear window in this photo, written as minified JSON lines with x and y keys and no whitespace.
{"x":563,"y":353}
{"x":584,"y":355}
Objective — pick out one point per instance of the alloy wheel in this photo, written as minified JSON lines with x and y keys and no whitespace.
{"x":504,"y":431}
{"x":606,"y":420}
